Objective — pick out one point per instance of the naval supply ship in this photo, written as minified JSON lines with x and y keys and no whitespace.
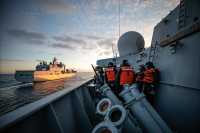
{"x":90,"y":107}
{"x":44,"y":72}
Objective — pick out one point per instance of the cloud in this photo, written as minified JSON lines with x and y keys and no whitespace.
{"x":56,"y":6}
{"x":106,"y":43}
{"x":73,"y":42}
{"x":69,"y":39}
{"x":8,"y":60}
{"x":106,"y":47}
{"x":91,"y":37}
{"x":89,"y":46}
{"x":27,"y":36}
{"x":105,"y":53}
{"x":11,"y":60}
{"x":62,"y":46}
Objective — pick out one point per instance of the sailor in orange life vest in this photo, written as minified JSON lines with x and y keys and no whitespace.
{"x":110,"y":73}
{"x":150,"y":80}
{"x":139,"y":77}
{"x":100,"y":78}
{"x":126,"y":75}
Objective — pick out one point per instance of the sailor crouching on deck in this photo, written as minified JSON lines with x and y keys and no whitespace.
{"x":150,"y":80}
{"x":110,"y":74}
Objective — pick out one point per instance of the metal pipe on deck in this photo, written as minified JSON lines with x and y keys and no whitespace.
{"x":113,"y":121}
{"x":103,"y":106}
{"x":143,"y":111}
{"x":117,"y":116}
{"x":105,"y":127}
{"x":105,"y":90}
{"x":130,"y":125}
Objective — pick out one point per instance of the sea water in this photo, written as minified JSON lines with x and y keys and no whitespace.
{"x":12,"y":96}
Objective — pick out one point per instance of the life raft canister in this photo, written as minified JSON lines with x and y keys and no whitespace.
{"x":149,"y":75}
{"x":127,"y":76}
{"x":110,"y":74}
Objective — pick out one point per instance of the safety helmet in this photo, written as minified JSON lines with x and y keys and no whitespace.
{"x":125,"y":62}
{"x":142,"y":68}
{"x":110,"y":64}
{"x":149,"y":64}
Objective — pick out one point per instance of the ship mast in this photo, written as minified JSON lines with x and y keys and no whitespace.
{"x":119,"y":30}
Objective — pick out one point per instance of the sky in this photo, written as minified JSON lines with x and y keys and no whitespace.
{"x":77,"y":32}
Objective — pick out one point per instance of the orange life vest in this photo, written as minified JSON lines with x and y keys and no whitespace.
{"x":149,"y":75}
{"x":110,"y":74}
{"x":127,"y":76}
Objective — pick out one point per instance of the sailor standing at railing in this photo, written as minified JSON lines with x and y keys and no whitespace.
{"x":126,"y":75}
{"x":99,"y":77}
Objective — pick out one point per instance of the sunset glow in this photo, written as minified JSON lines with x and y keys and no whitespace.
{"x":77,"y":32}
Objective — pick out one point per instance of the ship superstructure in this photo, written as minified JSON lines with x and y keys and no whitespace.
{"x":175,"y":51}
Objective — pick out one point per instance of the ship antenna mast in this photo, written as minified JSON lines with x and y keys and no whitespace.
{"x":119,"y":26}
{"x":113,"y":50}
{"x":119,"y":8}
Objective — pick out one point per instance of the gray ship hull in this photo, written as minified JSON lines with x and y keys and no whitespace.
{"x":24,"y":76}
